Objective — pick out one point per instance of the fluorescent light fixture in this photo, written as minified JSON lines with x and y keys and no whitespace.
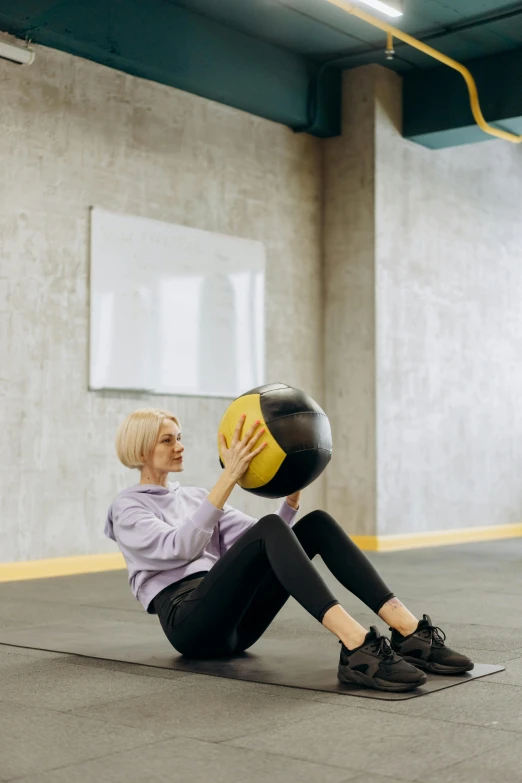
{"x":16,"y":54}
{"x":391,"y":7}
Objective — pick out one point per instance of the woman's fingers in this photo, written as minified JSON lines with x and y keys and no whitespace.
{"x":255,"y":438}
{"x":237,"y":432}
{"x":251,"y":431}
{"x":258,"y":451}
{"x":243,"y":450}
{"x":237,"y":438}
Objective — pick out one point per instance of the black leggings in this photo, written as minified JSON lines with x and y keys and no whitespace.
{"x":240,"y":596}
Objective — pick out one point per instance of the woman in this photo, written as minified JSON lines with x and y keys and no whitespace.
{"x":216,"y":577}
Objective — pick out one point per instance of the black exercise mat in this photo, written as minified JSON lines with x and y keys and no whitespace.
{"x":293,"y":664}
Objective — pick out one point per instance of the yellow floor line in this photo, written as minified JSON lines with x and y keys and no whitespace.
{"x":467,"y":535}
{"x":90,"y":564}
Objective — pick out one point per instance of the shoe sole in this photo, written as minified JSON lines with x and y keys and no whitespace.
{"x":438,"y":668}
{"x":350,"y":677}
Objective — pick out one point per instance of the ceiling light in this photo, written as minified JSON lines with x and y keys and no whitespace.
{"x":16,"y":54}
{"x":390,"y":7}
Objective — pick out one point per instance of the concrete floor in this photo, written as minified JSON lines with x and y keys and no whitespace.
{"x":67,"y":719}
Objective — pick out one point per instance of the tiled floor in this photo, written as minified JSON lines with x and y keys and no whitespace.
{"x":67,"y":719}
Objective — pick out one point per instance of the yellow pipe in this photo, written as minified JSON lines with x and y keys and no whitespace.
{"x":470,"y":81}
{"x":389,"y":47}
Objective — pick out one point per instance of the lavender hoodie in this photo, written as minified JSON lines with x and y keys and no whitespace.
{"x":166,"y":534}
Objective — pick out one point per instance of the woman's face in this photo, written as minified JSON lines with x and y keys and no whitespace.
{"x":167,"y":456}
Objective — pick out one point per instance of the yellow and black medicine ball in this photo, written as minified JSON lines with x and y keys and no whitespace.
{"x":297,"y":432}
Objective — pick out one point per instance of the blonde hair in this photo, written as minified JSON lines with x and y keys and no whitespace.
{"x":138,"y":433}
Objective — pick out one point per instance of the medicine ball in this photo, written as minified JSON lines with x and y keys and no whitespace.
{"x":297,"y":432}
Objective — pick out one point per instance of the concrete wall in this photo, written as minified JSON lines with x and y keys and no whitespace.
{"x":74,"y":134}
{"x":423,"y":323}
{"x":349,"y":307}
{"x":419,"y":301}
{"x":449,"y":304}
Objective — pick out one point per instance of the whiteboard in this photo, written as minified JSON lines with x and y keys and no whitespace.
{"x":174,"y":310}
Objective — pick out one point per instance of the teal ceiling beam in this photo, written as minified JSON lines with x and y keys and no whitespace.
{"x":165,"y":43}
{"x":437,"y":112}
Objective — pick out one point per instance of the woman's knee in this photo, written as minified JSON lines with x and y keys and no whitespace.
{"x":272,"y":520}
{"x":318,"y":524}
{"x":318,"y":517}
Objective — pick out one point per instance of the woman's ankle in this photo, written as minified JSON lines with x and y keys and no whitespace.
{"x":397,"y":616}
{"x":348,"y":630}
{"x":352,"y":642}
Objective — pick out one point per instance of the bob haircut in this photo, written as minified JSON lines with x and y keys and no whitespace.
{"x":138,"y":433}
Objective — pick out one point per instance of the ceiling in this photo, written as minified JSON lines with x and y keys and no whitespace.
{"x":462,"y":29}
{"x":268,"y":57}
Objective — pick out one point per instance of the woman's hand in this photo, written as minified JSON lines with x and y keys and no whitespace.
{"x":238,"y":457}
{"x":293,"y":500}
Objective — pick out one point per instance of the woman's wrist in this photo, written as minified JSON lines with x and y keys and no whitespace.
{"x":293,"y":500}
{"x":228,"y":478}
{"x":221,"y":491}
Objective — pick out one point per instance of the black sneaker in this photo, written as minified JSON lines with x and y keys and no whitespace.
{"x":425,"y":649}
{"x":375,"y":665}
